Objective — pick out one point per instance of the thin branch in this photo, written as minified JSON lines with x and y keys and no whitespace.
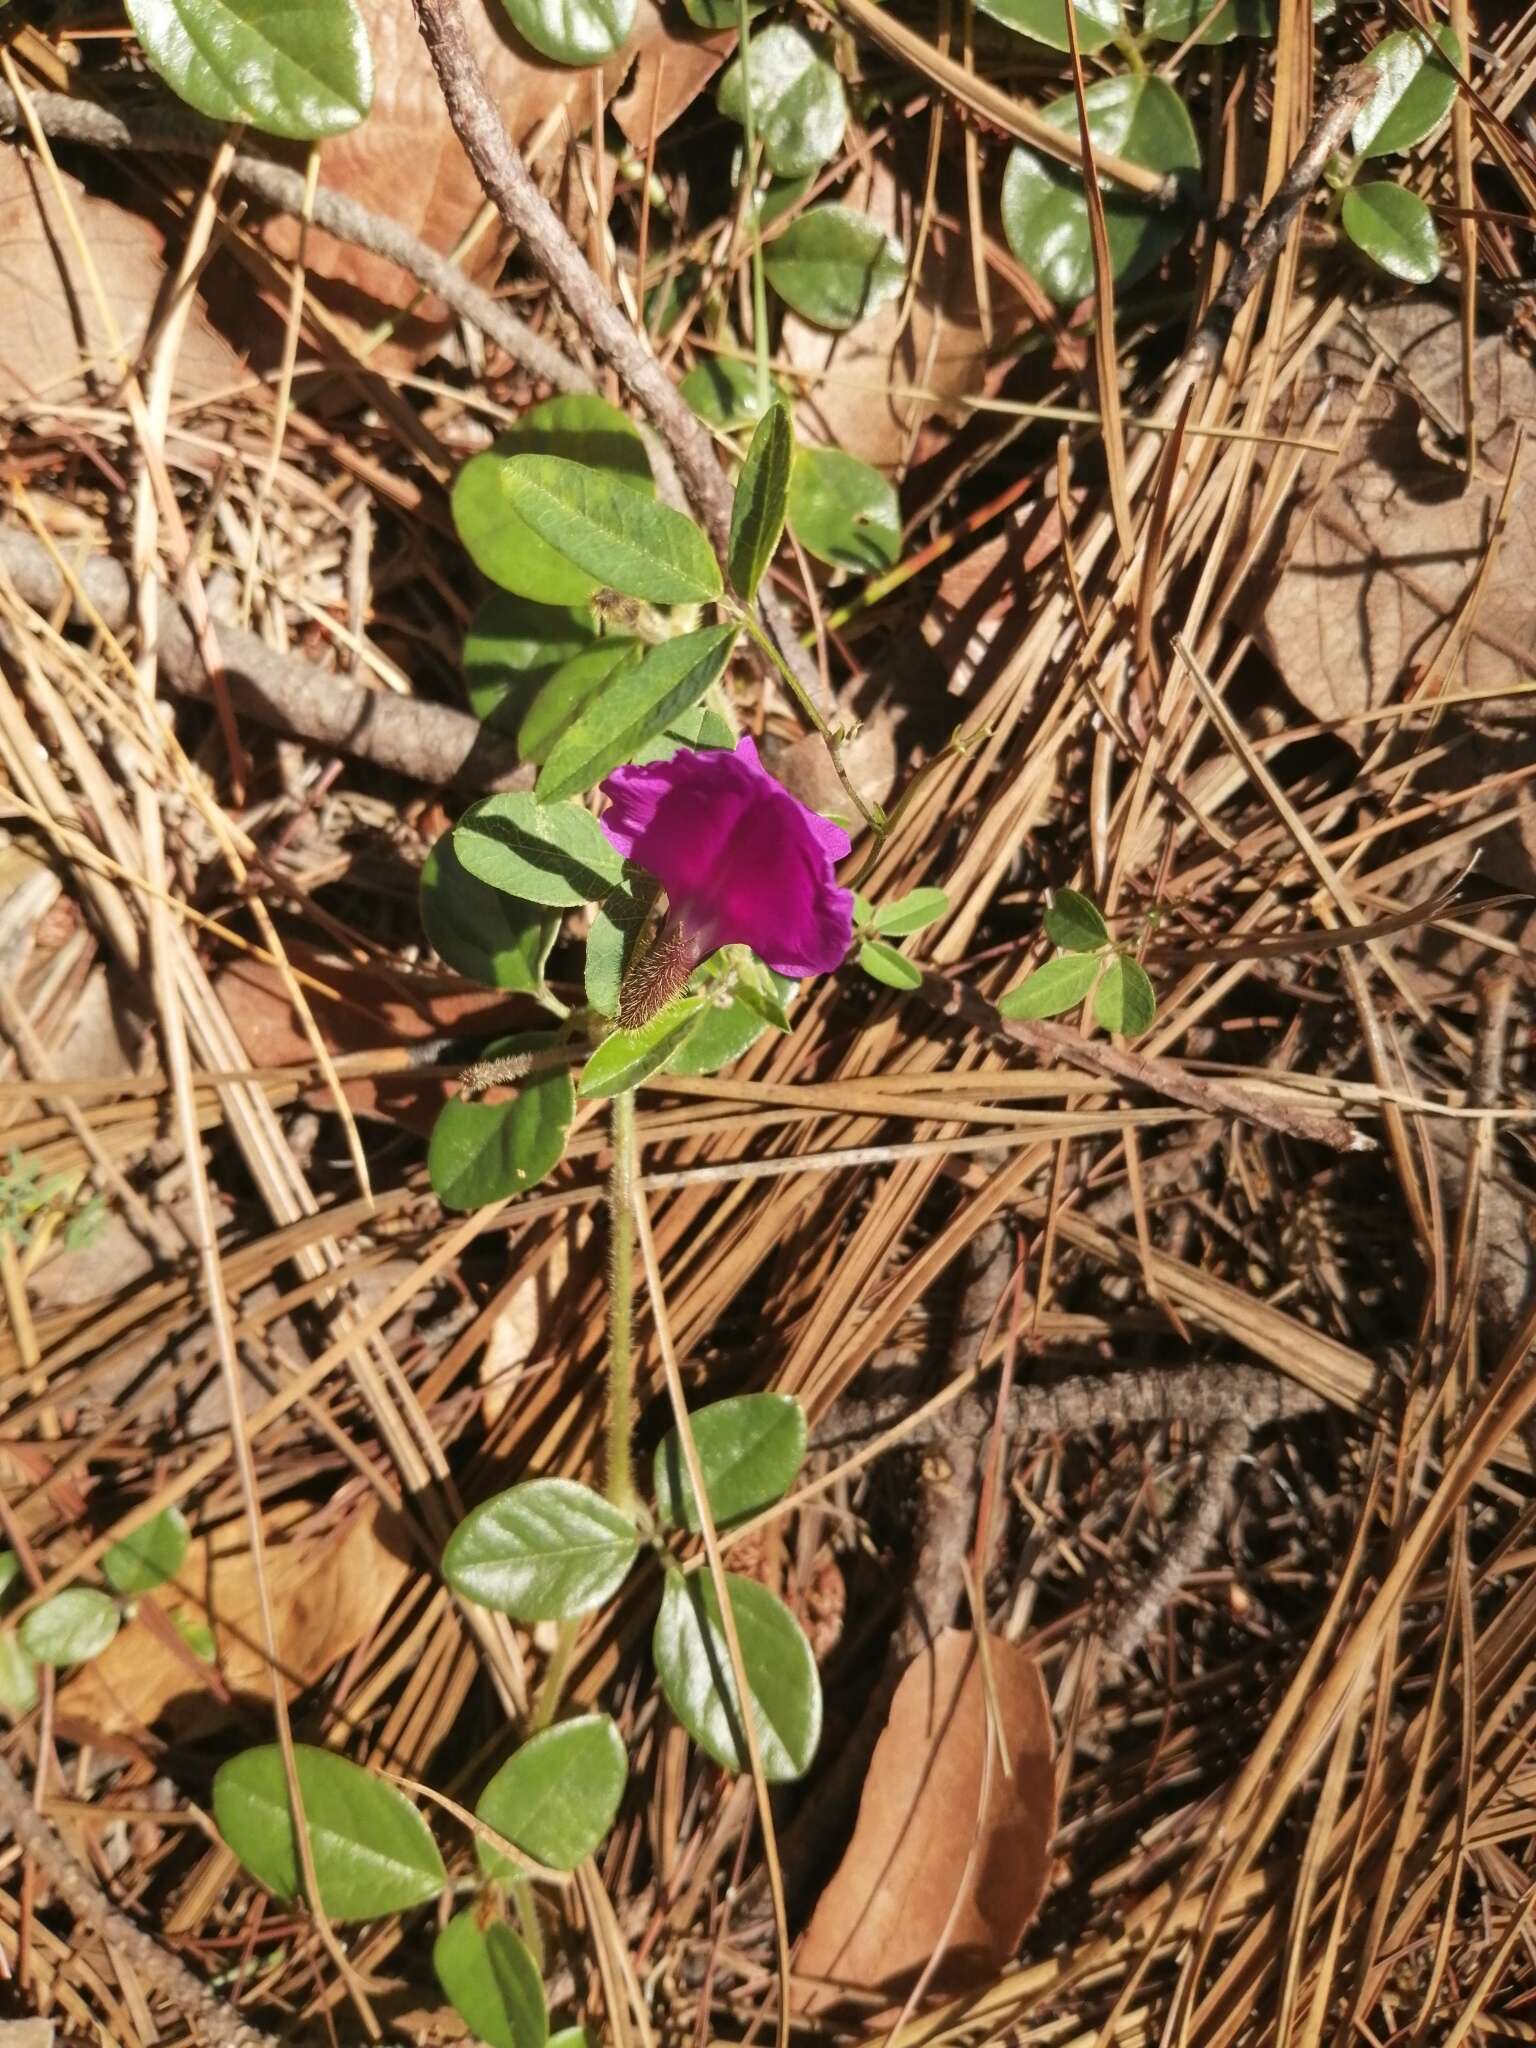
{"x":430,"y":743}
{"x":156,"y":127}
{"x":549,"y":245}
{"x":163,"y":1972}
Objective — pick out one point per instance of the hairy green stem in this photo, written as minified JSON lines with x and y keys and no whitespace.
{"x":874,"y":819}
{"x":751,"y":168}
{"x":619,"y":1475}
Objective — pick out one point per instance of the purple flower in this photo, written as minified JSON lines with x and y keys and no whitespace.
{"x":743,"y":862}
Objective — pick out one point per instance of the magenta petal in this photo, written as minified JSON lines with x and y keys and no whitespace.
{"x":743,"y":862}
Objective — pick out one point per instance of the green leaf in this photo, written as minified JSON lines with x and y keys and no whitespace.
{"x":1059,"y":985}
{"x":372,"y":1851}
{"x":624,"y":1058}
{"x":693,"y":1663}
{"x":558,"y":703}
{"x":1045,"y":214}
{"x":726,"y":1031}
{"x":555,"y":1798}
{"x":750,"y":1448}
{"x":1416,"y":85}
{"x":11,"y":1585}
{"x":573,"y":31}
{"x":842,"y":511}
{"x":1394,"y":228}
{"x":300,"y":71}
{"x":1075,"y":923}
{"x":723,"y":391}
{"x":720,"y":14}
{"x":773,"y":199}
{"x":553,"y":854}
{"x":481,"y":933}
{"x":1123,"y":1000}
{"x":798,"y":110}
{"x":492,"y":1982}
{"x":71,"y":1627}
{"x":610,"y":532}
{"x":513,"y":646}
{"x":578,"y":428}
{"x":575,"y":2037}
{"x":483,"y":1152}
{"x":196,"y":1634}
{"x":637,"y":705}
{"x":148,"y":1555}
{"x":1045,"y":21}
{"x":1175,"y":21}
{"x":762,"y":494}
{"x":835,"y":266}
{"x":543,"y":1551}
{"x":913,"y":912}
{"x":883,"y":963}
{"x":18,"y":1676}
{"x":611,"y":942}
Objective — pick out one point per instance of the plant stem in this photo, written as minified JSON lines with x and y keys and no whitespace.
{"x":874,"y":819}
{"x":619,"y":1475}
{"x":751,"y":168}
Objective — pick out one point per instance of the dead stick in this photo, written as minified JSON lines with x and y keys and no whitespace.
{"x":1143,"y":1070}
{"x":549,"y":245}
{"x":165,"y":1973}
{"x":430,"y":743}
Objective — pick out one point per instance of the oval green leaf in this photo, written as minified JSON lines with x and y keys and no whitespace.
{"x":762,"y":496}
{"x":492,"y":1982}
{"x":913,"y":912}
{"x":553,"y":854}
{"x":18,"y":1676}
{"x":300,"y":71}
{"x":625,"y":1058}
{"x":693,"y":1663}
{"x":883,"y":963}
{"x":726,"y":1031}
{"x":835,"y":266}
{"x":484,"y":1152}
{"x":543,"y":1551}
{"x":723,"y":391}
{"x":1124,"y":1000}
{"x":482,"y":934}
{"x":611,"y":942}
{"x":797,"y":104}
{"x":74,"y":1625}
{"x":843,"y":512}
{"x":750,"y":1447}
{"x":573,"y":31}
{"x":610,"y":532}
{"x":1075,"y":923}
{"x":577,"y":428}
{"x":1175,"y":21}
{"x":1045,"y":215}
{"x":1394,"y":228}
{"x":1045,"y":21}
{"x":555,"y":1798}
{"x":1058,"y":986}
{"x":636,"y":706}
{"x":1416,"y":72}
{"x":558,"y":703}
{"x":372,"y":1851}
{"x":149,"y":1555}
{"x":513,"y":646}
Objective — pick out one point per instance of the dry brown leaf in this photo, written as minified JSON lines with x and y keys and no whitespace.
{"x":329,"y":1593}
{"x":1381,"y":571}
{"x":52,"y":336}
{"x":405,"y":161}
{"x":674,"y":66}
{"x":521,"y":1328}
{"x":884,"y":1914}
{"x":857,"y":386}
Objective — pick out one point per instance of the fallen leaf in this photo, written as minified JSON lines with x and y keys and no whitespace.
{"x":53,"y":340}
{"x":859,"y":389}
{"x":983,"y":589}
{"x":1383,"y":563}
{"x":674,"y":65}
{"x":440,"y":197}
{"x":885,"y":1913}
{"x":369,"y":1010}
{"x":522,"y":1325}
{"x":329,"y":1593}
